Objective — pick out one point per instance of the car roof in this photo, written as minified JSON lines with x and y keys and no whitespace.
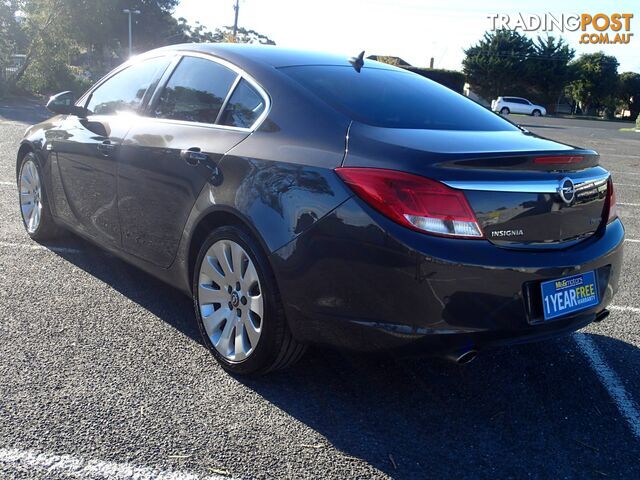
{"x":268,"y":54}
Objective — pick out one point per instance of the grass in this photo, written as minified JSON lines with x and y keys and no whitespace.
{"x":593,"y":117}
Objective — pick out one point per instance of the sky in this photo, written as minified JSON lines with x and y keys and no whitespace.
{"x":415,"y":30}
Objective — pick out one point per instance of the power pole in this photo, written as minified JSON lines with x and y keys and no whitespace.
{"x":236,"y":7}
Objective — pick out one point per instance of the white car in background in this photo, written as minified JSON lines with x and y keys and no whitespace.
{"x":507,"y":105}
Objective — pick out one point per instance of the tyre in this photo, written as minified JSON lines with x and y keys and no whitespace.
{"x":504,"y":111}
{"x":34,"y":204}
{"x":238,"y":306}
{"x":536,"y":113}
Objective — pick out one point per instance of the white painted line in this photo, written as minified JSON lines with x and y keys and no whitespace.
{"x":35,"y":246}
{"x":8,"y":184}
{"x":76,"y":467}
{"x":620,"y":308}
{"x":631,"y":240}
{"x":610,"y":381}
{"x":628,"y":204}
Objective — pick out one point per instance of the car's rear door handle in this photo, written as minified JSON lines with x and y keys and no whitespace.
{"x":106,"y":148}
{"x":193,"y":156}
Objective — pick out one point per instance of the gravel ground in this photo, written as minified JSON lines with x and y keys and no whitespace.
{"x":101,"y":362}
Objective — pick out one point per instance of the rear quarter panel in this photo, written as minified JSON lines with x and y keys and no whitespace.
{"x":280,"y":180}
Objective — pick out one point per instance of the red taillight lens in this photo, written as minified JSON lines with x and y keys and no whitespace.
{"x":415,"y":202}
{"x":612,"y":209}
{"x":558,"y":159}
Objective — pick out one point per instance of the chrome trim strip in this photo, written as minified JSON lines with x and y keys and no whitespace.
{"x":261,"y":91}
{"x":207,"y":56}
{"x":234,"y":85}
{"x":529,"y":186}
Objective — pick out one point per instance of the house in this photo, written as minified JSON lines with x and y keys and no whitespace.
{"x":397,"y":61}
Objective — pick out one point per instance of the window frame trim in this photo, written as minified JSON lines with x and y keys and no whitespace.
{"x":241,"y":74}
{"x":86,"y":96}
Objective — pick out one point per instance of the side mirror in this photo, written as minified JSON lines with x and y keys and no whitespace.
{"x":64,"y":104}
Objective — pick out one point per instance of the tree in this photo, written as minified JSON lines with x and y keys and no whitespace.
{"x":497,"y":65}
{"x":199,"y":34}
{"x":69,"y":43}
{"x":629,"y":92}
{"x":10,"y":36}
{"x":46,"y":25}
{"x":225,"y":34}
{"x":548,"y":70}
{"x":102,"y":32}
{"x":595,"y":81}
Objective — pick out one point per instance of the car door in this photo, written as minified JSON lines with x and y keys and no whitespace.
{"x":527,"y":107}
{"x":169,"y":157}
{"x":85,"y":160}
{"x":520,"y":105}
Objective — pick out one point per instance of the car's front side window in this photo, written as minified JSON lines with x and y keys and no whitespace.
{"x":124,"y":91}
{"x":196,"y":91}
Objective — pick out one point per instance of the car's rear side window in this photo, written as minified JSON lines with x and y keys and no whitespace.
{"x":395,"y":99}
{"x":195,"y":92}
{"x":244,"y":106}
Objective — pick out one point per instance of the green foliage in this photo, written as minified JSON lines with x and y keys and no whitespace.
{"x":46,"y":67}
{"x":548,"y":70}
{"x":508,"y":63}
{"x":194,"y":34}
{"x":594,"y":82}
{"x":449,"y":78}
{"x":629,"y":93}
{"x":199,"y":34}
{"x":246,"y":36}
{"x":9,"y":36}
{"x":497,"y":65}
{"x":70,"y":43}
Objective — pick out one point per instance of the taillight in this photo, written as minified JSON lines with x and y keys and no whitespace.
{"x":612,"y":209}
{"x":415,"y":202}
{"x":558,"y":159}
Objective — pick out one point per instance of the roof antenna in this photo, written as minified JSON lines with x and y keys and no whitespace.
{"x":357,"y":62}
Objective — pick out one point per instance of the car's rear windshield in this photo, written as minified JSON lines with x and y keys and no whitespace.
{"x":395,"y":99}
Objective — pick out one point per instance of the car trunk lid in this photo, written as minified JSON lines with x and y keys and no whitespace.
{"x":526,"y":191}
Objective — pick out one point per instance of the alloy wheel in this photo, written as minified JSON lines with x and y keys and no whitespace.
{"x":230,"y":300}
{"x":30,"y":196}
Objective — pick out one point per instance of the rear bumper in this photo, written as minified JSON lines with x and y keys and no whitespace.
{"x":358,"y":281}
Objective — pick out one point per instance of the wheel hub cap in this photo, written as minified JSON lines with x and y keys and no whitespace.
{"x":235,"y":299}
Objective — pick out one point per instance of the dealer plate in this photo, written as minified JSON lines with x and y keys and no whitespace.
{"x":569,"y":294}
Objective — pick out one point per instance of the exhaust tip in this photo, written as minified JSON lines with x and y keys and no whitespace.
{"x":602,"y":315}
{"x":463,"y":358}
{"x":467,"y":357}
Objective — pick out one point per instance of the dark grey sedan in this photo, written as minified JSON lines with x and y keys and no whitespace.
{"x":306,"y":198}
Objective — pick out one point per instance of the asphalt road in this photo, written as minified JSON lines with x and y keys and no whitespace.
{"x":102,"y":375}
